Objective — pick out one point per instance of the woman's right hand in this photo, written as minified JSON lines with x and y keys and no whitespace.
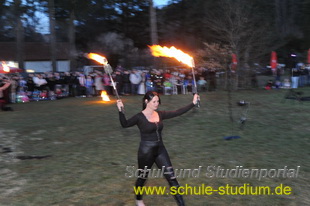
{"x":196,"y":99}
{"x":119,"y":105}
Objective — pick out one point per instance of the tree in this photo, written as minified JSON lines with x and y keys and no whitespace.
{"x":126,"y":21}
{"x":66,"y":15}
{"x":133,"y":16}
{"x":62,"y":18}
{"x":71,"y":36}
{"x":245,"y":26}
{"x":51,"y":11}
{"x":182,"y":24}
{"x":153,"y":24}
{"x":16,"y":17}
{"x":19,"y":34}
{"x":214,"y":55}
{"x":6,"y":22}
{"x":305,"y":18}
{"x":218,"y":57}
{"x":287,"y":13}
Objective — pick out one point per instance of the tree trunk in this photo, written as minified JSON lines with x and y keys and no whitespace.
{"x":246,"y":67}
{"x":19,"y":35}
{"x":286,"y":14}
{"x":51,"y":10}
{"x":71,"y":34}
{"x":153,"y":24}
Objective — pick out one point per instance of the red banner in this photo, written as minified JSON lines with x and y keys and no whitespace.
{"x":234,"y":61}
{"x":273,"y":60}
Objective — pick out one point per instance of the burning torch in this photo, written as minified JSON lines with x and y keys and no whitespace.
{"x":159,"y":51}
{"x":107,"y":68}
{"x":5,"y":67}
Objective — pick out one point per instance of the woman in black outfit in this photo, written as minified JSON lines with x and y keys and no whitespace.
{"x":152,"y":149}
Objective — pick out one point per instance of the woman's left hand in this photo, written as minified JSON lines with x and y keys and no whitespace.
{"x":196,"y":98}
{"x":119,"y":105}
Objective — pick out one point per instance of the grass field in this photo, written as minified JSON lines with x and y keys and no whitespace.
{"x":73,"y":151}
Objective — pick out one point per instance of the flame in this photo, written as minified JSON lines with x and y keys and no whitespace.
{"x":98,"y":58}
{"x":5,"y":67}
{"x":159,"y":51}
{"x":105,"y":96}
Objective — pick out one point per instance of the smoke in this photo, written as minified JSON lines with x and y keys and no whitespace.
{"x":113,"y":43}
{"x":120,"y":50}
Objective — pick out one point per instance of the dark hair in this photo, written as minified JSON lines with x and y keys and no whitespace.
{"x":149,"y":96}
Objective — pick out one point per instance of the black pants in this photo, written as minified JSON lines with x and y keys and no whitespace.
{"x":3,"y":105}
{"x":151,"y":152}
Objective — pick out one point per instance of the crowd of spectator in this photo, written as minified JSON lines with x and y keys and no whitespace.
{"x":300,"y":77}
{"x":55,"y":85}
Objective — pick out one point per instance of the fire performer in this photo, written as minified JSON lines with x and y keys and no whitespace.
{"x":152,"y":149}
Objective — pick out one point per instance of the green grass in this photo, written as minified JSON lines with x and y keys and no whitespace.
{"x":90,"y":151}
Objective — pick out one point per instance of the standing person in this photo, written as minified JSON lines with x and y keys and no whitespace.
{"x":152,"y":149}
{"x":75,"y":84}
{"x":278,"y":73}
{"x":149,"y":85}
{"x":135,"y":79}
{"x":189,"y":83}
{"x":98,"y":83}
{"x":126,"y":83}
{"x":89,"y":82}
{"x":51,"y":82}
{"x":202,"y":84}
{"x":212,"y":80}
{"x":67,"y":84}
{"x":295,"y":78}
{"x":141,"y":89}
{"x":81,"y":86}
{"x":14,"y":85}
{"x":3,"y":86}
{"x":119,"y":82}
{"x":303,"y":76}
{"x":30,"y":85}
{"x":40,"y":82}
{"x":308,"y":74}
{"x":107,"y":83}
{"x":158,"y":80}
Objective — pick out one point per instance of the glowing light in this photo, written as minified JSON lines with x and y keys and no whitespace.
{"x":159,"y":51}
{"x":105,"y":96}
{"x":5,"y":67}
{"x":30,"y":71}
{"x":98,"y":58}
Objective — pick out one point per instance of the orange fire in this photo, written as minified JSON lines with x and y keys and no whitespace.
{"x":160,"y":51}
{"x":105,"y":96}
{"x":5,"y":67}
{"x":98,"y":58}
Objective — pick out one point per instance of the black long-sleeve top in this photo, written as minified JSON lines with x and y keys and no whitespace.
{"x":151,"y":131}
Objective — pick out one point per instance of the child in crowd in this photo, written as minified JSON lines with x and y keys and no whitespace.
{"x":286,"y":84}
{"x":202,"y":84}
{"x":168,"y":87}
{"x":149,"y":85}
{"x":269,"y":85}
